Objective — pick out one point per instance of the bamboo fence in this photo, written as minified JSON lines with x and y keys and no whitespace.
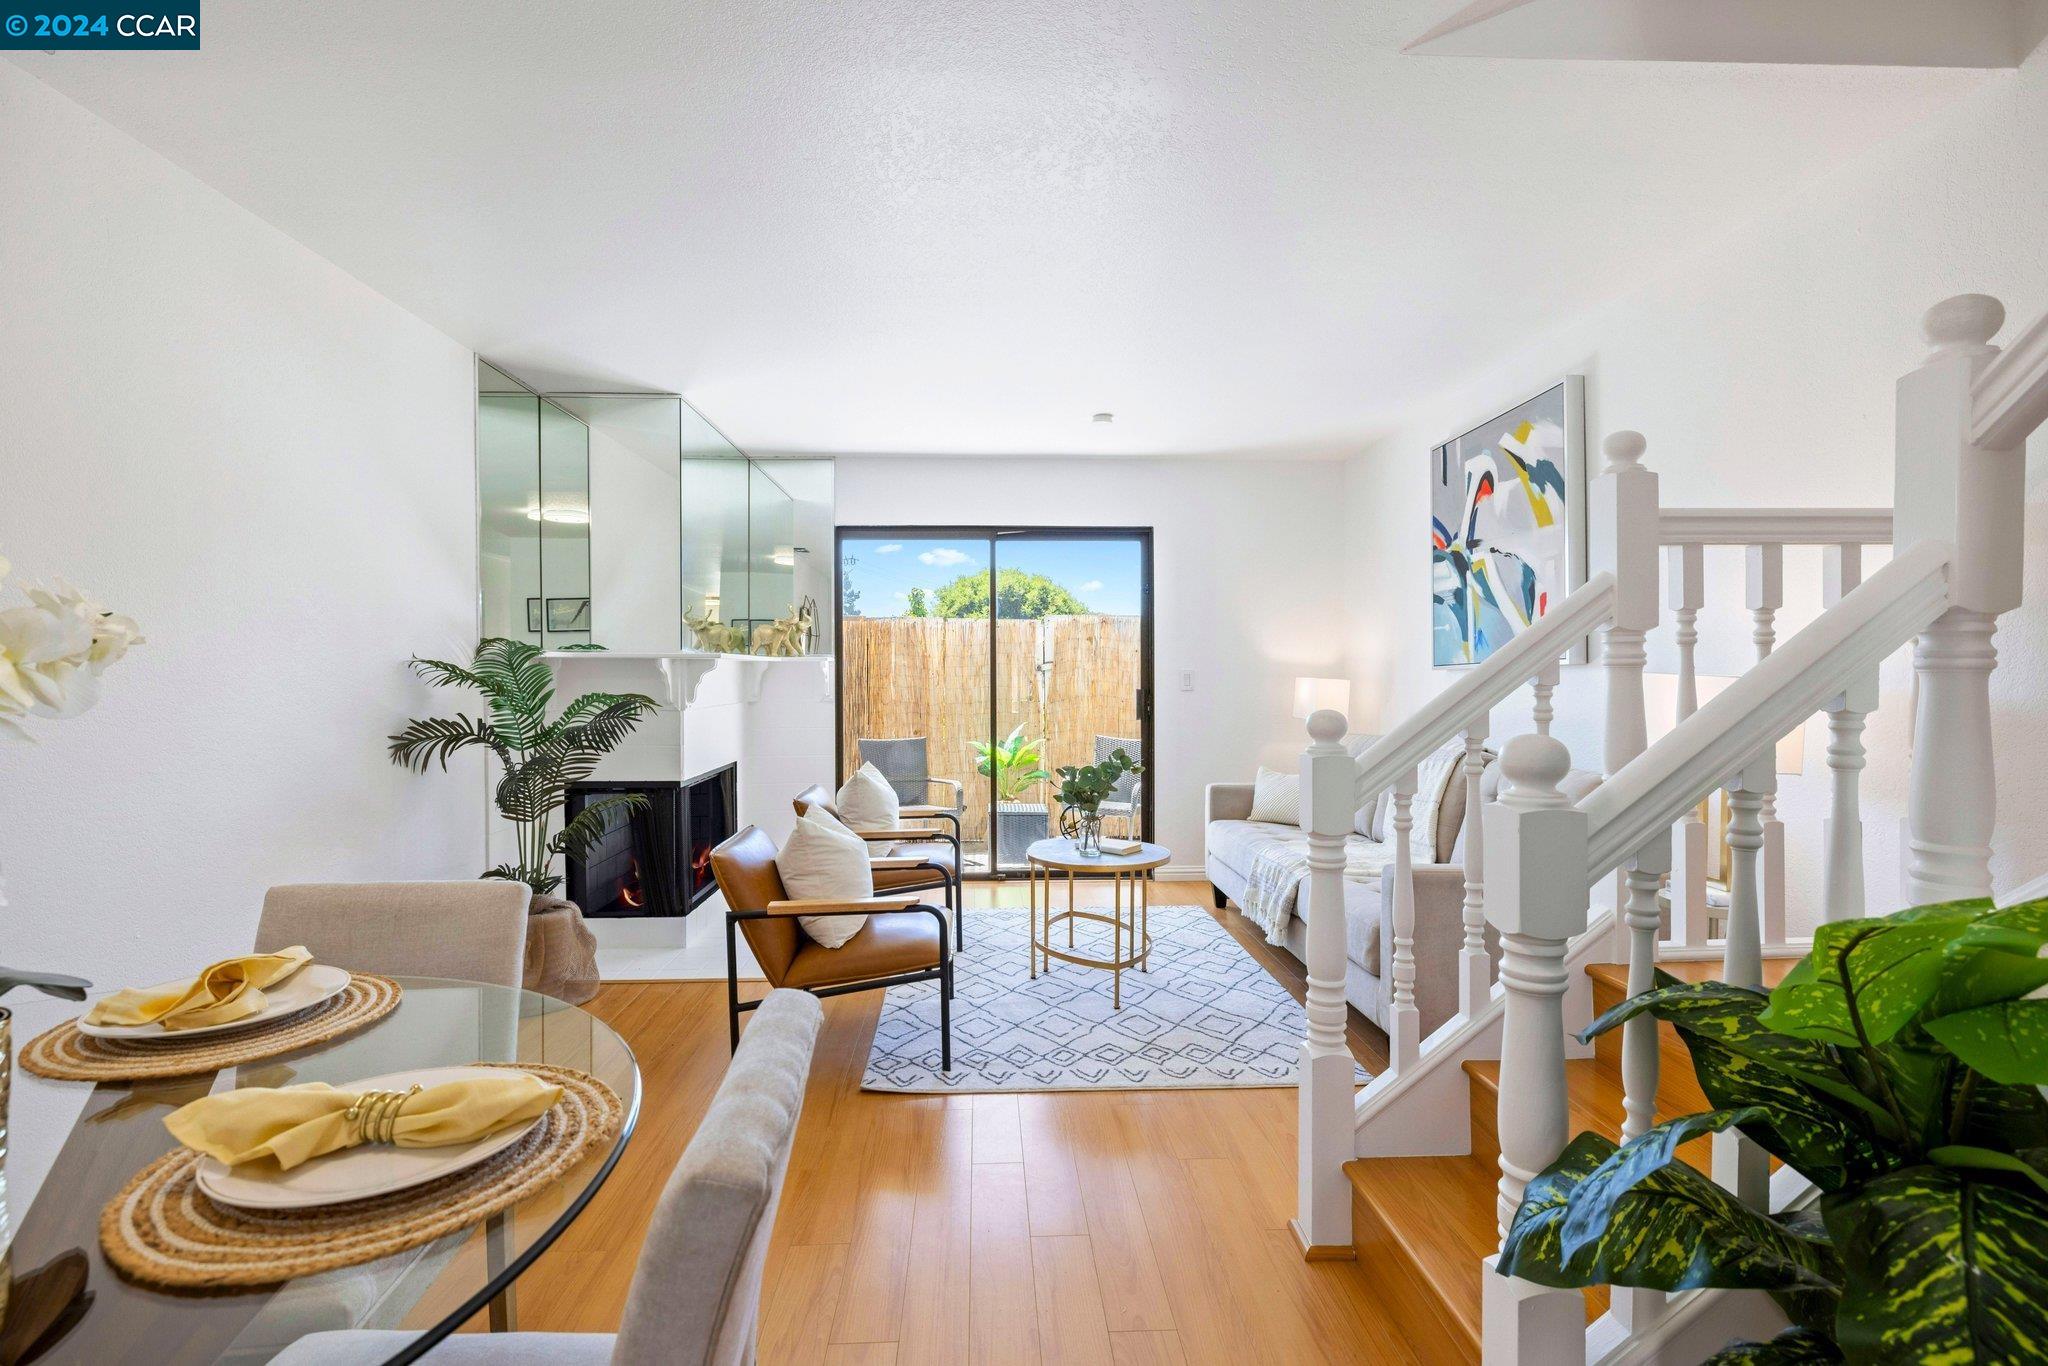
{"x":1066,"y":680}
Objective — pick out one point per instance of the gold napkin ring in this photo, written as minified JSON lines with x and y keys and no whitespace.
{"x":375,"y":1113}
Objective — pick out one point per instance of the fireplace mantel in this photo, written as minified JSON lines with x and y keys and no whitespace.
{"x":682,"y":672}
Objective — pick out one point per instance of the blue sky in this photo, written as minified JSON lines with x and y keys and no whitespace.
{"x":1103,"y":574}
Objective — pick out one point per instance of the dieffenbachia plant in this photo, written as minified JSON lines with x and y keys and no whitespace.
{"x":1897,"y":1068}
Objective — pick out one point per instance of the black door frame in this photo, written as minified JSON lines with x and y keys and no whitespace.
{"x":995,"y":535}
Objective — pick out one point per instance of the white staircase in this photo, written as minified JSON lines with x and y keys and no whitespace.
{"x":1533,"y":859}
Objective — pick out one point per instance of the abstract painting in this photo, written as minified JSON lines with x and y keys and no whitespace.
{"x":1507,"y":512}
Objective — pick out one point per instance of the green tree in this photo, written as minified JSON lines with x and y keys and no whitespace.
{"x":849,"y":596}
{"x":1018,"y":594}
{"x":917,"y":604}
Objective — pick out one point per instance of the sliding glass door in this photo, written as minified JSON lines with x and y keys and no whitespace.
{"x":975,"y":661}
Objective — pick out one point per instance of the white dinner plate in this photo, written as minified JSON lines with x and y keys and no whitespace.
{"x":308,"y":987}
{"x":361,"y":1172}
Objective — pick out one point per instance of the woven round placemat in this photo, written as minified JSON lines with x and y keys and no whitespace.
{"x":65,"y":1054}
{"x":161,"y":1230}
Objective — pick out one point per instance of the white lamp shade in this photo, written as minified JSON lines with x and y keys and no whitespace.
{"x":1660,"y":709}
{"x":1312,"y":695}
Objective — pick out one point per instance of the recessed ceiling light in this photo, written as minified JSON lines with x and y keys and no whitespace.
{"x":1105,"y":418}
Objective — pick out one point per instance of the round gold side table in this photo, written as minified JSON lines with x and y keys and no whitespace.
{"x":1130,"y":878}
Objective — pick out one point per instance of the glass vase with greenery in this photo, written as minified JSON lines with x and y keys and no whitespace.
{"x":539,"y":758}
{"x":1083,"y":790}
{"x":1897,"y":1067}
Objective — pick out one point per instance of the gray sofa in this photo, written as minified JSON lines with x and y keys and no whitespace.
{"x":1231,"y":837}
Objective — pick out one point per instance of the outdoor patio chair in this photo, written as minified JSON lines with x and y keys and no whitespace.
{"x":1128,"y":796}
{"x":906,"y":765}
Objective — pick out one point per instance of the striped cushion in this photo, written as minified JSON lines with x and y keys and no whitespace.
{"x":1277,"y":797}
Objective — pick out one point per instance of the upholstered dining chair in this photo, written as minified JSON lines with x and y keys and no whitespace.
{"x":474,"y":930}
{"x":696,"y":1294}
{"x":1127,"y":797}
{"x":903,"y":941}
{"x":906,"y":858}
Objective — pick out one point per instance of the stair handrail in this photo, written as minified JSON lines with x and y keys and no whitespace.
{"x":1881,"y":615}
{"x":1486,"y":685}
{"x":1746,"y":526}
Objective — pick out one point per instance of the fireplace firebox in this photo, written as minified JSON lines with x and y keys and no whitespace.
{"x":656,"y":860}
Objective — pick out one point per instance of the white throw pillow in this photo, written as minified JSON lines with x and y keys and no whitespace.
{"x":867,"y":802}
{"x":818,"y":863}
{"x":1431,"y":777}
{"x":823,"y":815}
{"x":1277,"y":797}
{"x":1372,"y":817}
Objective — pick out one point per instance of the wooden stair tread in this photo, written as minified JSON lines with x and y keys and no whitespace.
{"x":1615,"y":975}
{"x":1593,"y":1096}
{"x":1435,"y":1213}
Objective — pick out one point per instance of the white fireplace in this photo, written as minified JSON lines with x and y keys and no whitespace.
{"x":770,"y":719}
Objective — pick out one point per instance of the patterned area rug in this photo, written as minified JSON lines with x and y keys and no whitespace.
{"x":1206,"y":1015}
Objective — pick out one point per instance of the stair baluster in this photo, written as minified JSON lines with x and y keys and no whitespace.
{"x":1325,"y":1132}
{"x":1536,"y":900}
{"x":1842,"y":831}
{"x":1685,"y":567}
{"x":1764,"y":589}
{"x":1739,"y":1165}
{"x":1544,"y":686}
{"x":1475,"y":973}
{"x":1404,"y":1018}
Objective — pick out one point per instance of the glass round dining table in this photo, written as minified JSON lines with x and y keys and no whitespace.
{"x":427,"y":1291}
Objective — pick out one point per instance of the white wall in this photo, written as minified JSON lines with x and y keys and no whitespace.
{"x":1762,"y":374}
{"x":271,"y":467}
{"x":1244,"y":592}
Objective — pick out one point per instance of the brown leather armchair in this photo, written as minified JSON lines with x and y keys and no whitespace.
{"x":907,"y":858}
{"x":903,"y":941}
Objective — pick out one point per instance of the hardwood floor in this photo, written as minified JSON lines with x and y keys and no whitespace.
{"x":1126,"y":1228}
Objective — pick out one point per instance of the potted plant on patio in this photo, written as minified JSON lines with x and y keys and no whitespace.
{"x":1898,"y":1068}
{"x":1083,"y":790}
{"x":1014,"y":766}
{"x":539,"y":760}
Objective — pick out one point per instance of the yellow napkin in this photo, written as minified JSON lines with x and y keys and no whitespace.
{"x":228,"y":990}
{"x":295,"y":1123}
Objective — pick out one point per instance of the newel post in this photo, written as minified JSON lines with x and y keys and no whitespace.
{"x":1624,"y":531}
{"x":1536,"y":898}
{"x":1966,"y":495}
{"x":1328,"y":1118}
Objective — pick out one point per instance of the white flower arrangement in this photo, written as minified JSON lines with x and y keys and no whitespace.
{"x":53,"y":649}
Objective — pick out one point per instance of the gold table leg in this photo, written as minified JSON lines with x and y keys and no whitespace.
{"x":504,"y":1309}
{"x":1116,"y":939}
{"x":1031,"y":892}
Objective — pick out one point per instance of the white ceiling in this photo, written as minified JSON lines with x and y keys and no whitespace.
{"x":1245,"y":226}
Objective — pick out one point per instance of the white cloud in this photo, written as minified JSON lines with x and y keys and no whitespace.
{"x":1092,"y":586}
{"x":944,"y":555}
{"x":902,"y":596}
{"x":889,"y":549}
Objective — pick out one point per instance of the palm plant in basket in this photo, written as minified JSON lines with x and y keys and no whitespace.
{"x":539,"y":757}
{"x":1898,"y":1067}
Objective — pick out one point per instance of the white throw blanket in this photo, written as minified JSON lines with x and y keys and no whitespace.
{"x":1280,"y":867}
